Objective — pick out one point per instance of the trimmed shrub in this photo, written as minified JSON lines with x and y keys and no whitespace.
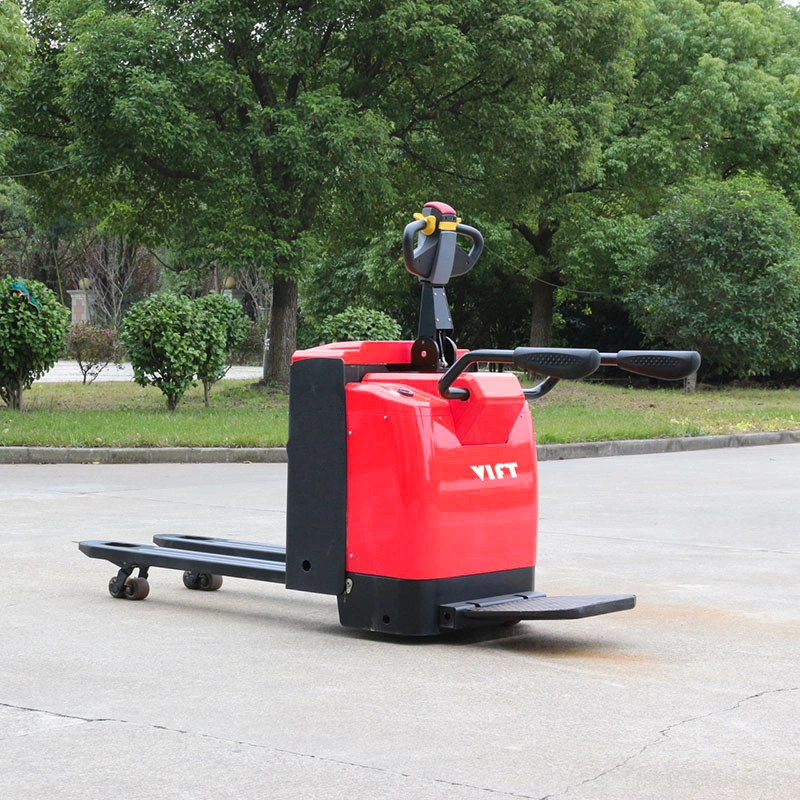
{"x":32,"y":328}
{"x":356,"y":324}
{"x":166,"y":343}
{"x":94,"y":349}
{"x":225,"y":326}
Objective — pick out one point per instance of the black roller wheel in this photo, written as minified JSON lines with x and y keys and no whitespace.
{"x":115,"y":588}
{"x":191,"y":580}
{"x":136,"y":588}
{"x":209,"y":582}
{"x":202,"y":581}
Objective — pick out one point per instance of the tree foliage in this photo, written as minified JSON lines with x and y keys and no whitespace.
{"x":32,"y":328}
{"x":712,"y":90}
{"x":15,"y":48}
{"x":723,"y":276}
{"x":250,"y":132}
{"x":15,"y":44}
{"x":259,"y":139}
{"x":356,"y":324}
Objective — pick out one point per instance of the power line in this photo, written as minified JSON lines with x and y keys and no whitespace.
{"x":41,"y":172}
{"x":568,"y":289}
{"x":542,"y":280}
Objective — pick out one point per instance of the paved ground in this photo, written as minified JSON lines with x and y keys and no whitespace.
{"x":66,"y":371}
{"x":255,"y":691}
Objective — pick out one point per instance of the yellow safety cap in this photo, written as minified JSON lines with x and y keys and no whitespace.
{"x":430,"y":223}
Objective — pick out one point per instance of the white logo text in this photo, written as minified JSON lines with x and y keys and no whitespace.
{"x":496,"y":472}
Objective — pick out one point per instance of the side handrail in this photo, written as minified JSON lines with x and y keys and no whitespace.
{"x":557,"y":363}
{"x":552,"y":362}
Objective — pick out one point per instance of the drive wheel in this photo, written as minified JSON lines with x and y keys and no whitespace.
{"x":136,"y":588}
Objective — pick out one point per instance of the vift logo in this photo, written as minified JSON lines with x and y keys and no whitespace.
{"x":496,"y":472}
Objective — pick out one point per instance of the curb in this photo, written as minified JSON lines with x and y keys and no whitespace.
{"x":636,"y":447}
{"x":142,"y":455}
{"x":277,"y":455}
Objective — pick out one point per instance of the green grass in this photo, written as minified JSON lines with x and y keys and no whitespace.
{"x":121,"y":414}
{"x":591,"y":412}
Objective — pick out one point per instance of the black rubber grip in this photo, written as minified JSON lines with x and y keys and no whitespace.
{"x":558,"y":362}
{"x":668,"y":365}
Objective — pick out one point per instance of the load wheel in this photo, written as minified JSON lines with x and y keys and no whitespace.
{"x":136,"y":588}
{"x":202,"y":581}
{"x":129,"y":588}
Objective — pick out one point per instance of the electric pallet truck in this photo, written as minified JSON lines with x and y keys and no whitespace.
{"x":412,"y":476}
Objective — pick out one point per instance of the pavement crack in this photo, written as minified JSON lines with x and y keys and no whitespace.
{"x":385,"y":771}
{"x":270,"y":748}
{"x":56,"y":714}
{"x":664,"y":734}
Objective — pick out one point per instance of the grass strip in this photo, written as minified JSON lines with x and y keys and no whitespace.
{"x":122,"y":414}
{"x":592,"y":412}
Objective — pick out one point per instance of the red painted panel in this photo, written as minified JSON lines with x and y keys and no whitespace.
{"x":421,"y":503}
{"x":360,"y":352}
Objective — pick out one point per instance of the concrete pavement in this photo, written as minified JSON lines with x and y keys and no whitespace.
{"x":69,"y":372}
{"x":255,"y":691}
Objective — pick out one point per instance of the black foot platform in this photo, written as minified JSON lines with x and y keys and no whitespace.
{"x":533,"y":605}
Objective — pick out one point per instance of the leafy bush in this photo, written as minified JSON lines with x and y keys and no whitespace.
{"x":723,"y":276}
{"x":357,"y":324}
{"x":32,"y":328}
{"x":94,"y":349}
{"x":251,"y":351}
{"x":166,"y":342}
{"x":225,"y":327}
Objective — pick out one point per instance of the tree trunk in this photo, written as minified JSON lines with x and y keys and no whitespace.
{"x":282,"y":331}
{"x":15,"y":391}
{"x":542,"y":291}
{"x":542,"y":314}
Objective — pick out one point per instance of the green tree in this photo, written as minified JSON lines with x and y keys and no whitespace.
{"x":225,"y":327}
{"x":249,"y":132}
{"x":16,"y":228}
{"x":15,"y":45}
{"x":32,"y":328}
{"x":166,"y":343}
{"x":712,"y":90}
{"x":723,"y":276}
{"x":15,"y":48}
